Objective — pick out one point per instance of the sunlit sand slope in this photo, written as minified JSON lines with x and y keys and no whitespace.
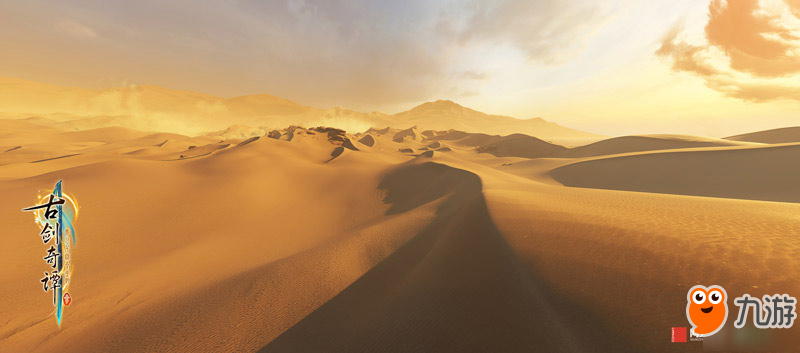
{"x":221,"y":252}
{"x":319,"y":240}
{"x":620,"y":263}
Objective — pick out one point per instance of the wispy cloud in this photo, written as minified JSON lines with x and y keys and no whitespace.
{"x":548,"y":32}
{"x":474,"y":75}
{"x":76,"y":29}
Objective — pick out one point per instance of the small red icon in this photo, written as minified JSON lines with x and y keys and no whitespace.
{"x":68,"y":299}
{"x":679,"y":334}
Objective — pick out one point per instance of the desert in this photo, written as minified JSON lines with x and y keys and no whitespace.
{"x":399,"y":176}
{"x":320,"y":239}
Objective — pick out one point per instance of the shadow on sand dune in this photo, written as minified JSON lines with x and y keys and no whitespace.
{"x":456,"y":286}
{"x":764,"y":173}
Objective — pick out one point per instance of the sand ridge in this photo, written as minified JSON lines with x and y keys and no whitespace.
{"x":327,"y":247}
{"x":782,"y":135}
{"x":758,"y":173}
{"x":627,"y":144}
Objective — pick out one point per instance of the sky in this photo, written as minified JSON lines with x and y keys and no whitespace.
{"x":712,"y":68}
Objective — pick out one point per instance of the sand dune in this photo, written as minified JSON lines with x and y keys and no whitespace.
{"x":398,"y":305}
{"x":15,"y":132}
{"x":783,"y":135}
{"x":50,"y":149}
{"x":619,"y":262}
{"x":293,"y":241}
{"x":465,"y":138}
{"x":519,"y":145}
{"x":382,"y":131}
{"x":626,"y":144}
{"x":100,"y":121}
{"x":198,"y":151}
{"x":515,"y":145}
{"x":410,"y":133}
{"x":757,"y":173}
{"x":162,"y":140}
{"x":367,"y":140}
{"x":125,"y":292}
{"x":104,"y":134}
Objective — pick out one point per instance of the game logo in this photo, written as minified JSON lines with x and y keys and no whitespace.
{"x":56,"y":213}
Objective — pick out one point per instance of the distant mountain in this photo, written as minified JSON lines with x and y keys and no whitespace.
{"x":154,"y":108}
{"x":446,"y":115}
{"x":783,"y":135}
